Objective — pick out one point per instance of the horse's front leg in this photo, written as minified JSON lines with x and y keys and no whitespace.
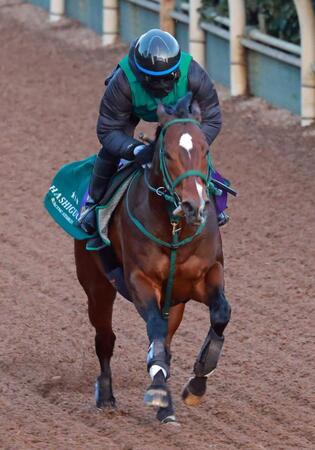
{"x":208,"y":357}
{"x":146,"y":298}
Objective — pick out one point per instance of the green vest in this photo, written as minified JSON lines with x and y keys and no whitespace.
{"x":144,"y":104}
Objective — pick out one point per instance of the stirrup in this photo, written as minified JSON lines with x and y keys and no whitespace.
{"x":95,"y":243}
{"x":223,"y":219}
{"x":87,"y":218}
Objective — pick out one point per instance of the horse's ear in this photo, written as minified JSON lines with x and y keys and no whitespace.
{"x":182,"y":108}
{"x":162,"y":114}
{"x":195,"y":111}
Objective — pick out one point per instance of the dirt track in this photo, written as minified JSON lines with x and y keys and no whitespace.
{"x":260,"y":397}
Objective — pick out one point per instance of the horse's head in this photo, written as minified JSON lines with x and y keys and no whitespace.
{"x":183,"y":158}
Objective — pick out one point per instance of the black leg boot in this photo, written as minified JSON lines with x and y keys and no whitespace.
{"x":102,"y":173}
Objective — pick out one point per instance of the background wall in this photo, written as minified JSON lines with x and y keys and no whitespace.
{"x":87,"y":12}
{"x":272,"y":66}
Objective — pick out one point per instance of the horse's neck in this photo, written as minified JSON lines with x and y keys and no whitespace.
{"x":154,"y":176}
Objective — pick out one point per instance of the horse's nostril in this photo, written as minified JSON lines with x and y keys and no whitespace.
{"x":188,"y":208}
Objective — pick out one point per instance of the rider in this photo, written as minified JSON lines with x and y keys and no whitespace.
{"x":155,"y":70}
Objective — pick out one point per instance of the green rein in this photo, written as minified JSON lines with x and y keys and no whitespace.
{"x":173,"y":202}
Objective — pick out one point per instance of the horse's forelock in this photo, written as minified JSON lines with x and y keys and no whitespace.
{"x":182,"y":109}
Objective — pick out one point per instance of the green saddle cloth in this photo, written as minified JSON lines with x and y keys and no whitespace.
{"x":68,"y":192}
{"x":66,"y":195}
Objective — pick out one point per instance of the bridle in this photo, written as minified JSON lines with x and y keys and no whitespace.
{"x":168,"y":190}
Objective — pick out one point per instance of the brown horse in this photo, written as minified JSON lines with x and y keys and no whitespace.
{"x":167,"y":211}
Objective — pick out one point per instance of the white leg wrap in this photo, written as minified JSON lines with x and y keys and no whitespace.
{"x":154,"y":370}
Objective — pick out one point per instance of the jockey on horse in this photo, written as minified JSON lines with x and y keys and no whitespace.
{"x":155,"y":71}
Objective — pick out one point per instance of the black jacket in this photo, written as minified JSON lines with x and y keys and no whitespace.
{"x":116,"y":123}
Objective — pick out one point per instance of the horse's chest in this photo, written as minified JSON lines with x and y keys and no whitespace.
{"x":191,"y":270}
{"x":189,"y":280}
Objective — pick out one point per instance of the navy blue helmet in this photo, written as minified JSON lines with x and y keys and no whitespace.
{"x":157,"y":53}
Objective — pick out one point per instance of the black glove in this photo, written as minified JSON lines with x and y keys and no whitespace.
{"x":143,"y":154}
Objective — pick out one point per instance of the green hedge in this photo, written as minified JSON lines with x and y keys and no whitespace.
{"x":275,"y":17}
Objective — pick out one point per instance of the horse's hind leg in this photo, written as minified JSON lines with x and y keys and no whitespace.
{"x":209,"y":354}
{"x":101,"y":296}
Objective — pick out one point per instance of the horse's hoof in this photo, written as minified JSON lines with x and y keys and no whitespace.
{"x":176,"y":426}
{"x":190,"y":399}
{"x":104,"y":400}
{"x":156,"y":397}
{"x":194,"y":391}
{"x":106,"y":404}
{"x":170,"y":420}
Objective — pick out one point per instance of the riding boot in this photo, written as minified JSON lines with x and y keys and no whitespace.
{"x":102,"y":173}
{"x":221,"y":200}
{"x":222,"y":218}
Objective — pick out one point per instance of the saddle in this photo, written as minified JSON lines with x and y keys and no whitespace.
{"x":117,"y":187}
{"x":117,"y":181}
{"x":69,"y":189}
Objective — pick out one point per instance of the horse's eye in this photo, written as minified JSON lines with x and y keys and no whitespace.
{"x":168,"y":157}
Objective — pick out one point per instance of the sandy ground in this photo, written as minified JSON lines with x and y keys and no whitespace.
{"x":260,"y":397}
